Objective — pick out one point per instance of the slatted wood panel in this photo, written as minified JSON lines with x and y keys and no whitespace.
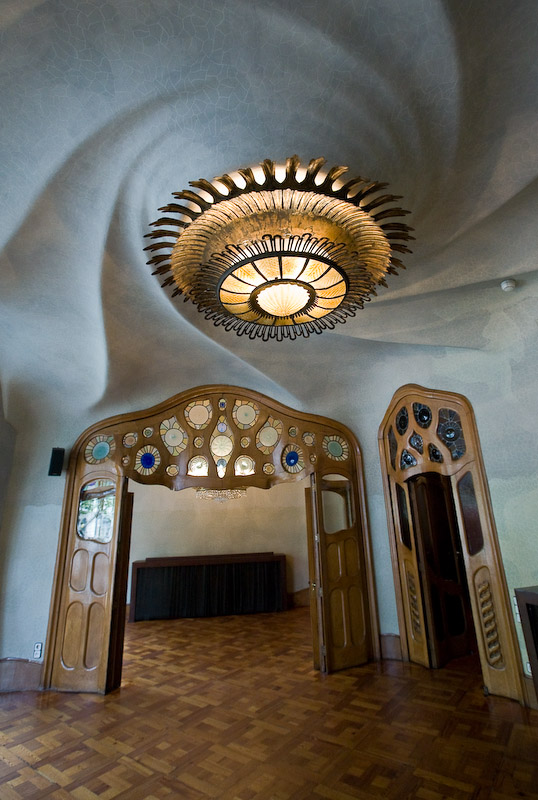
{"x":230,"y":708}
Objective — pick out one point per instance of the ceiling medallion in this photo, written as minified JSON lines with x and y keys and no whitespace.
{"x":282,"y":256}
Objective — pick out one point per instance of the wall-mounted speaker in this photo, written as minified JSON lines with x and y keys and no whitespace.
{"x":56,"y":461}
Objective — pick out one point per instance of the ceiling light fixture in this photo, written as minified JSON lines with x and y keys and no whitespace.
{"x":279,"y":252}
{"x":220,"y":495}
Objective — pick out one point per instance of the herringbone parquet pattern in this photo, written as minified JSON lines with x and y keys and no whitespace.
{"x":230,"y":708}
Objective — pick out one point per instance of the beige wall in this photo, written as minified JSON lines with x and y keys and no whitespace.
{"x":167,"y":523}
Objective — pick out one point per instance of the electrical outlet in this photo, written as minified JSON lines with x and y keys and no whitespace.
{"x":38,"y":649}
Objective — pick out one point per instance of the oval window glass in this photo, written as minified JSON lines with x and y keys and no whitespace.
{"x":96,"y":505}
{"x":337,"y":503}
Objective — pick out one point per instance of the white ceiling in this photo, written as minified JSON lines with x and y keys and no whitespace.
{"x":109,"y":107}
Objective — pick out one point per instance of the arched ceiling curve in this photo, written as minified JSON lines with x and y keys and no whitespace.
{"x":109,"y":107}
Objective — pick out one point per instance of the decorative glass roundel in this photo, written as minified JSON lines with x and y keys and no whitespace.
{"x":130,"y":439}
{"x":198,"y":466}
{"x":148,"y":432}
{"x":268,"y":436}
{"x":172,"y":470}
{"x":147,"y":460}
{"x":244,"y":465}
{"x":335,"y":447}
{"x":416,"y":442}
{"x":423,"y":414}
{"x":221,"y":445}
{"x":245,"y":441}
{"x":245,"y":413}
{"x":99,"y":448}
{"x":268,"y":468}
{"x":309,"y":438}
{"x":407,"y":460}
{"x":198,"y":441}
{"x":402,"y":420}
{"x":198,"y":414}
{"x":174,"y":437}
{"x":450,"y":431}
{"x":292,"y":458}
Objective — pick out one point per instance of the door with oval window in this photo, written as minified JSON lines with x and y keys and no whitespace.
{"x":84,"y":613}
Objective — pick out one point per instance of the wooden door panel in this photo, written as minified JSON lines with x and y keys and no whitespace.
{"x":79,"y":664}
{"x":488,"y":593}
{"x":412,"y":604}
{"x":313,"y":577}
{"x":119,"y":607}
{"x":344,"y":594}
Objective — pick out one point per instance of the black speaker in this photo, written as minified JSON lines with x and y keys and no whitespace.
{"x":56,"y":461}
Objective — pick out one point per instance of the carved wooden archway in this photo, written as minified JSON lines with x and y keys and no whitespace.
{"x":216,"y":438}
{"x":428,"y":432}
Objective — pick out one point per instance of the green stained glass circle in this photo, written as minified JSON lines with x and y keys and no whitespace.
{"x":335,"y":447}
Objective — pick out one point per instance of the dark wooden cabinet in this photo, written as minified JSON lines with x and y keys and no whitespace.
{"x":207,"y":586}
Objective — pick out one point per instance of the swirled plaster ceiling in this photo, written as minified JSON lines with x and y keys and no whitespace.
{"x":109,"y":107}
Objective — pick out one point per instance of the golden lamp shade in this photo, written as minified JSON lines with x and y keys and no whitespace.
{"x":279,"y":255}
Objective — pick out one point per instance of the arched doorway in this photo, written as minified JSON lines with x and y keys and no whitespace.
{"x":218,"y":439}
{"x":450,"y":586}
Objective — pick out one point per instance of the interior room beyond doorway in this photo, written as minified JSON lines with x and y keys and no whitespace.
{"x":167,"y":523}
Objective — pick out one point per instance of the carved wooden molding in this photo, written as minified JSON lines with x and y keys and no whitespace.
{"x":429,"y":431}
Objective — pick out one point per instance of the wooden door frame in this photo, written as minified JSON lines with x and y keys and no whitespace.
{"x":490,"y":600}
{"x":316,"y":459}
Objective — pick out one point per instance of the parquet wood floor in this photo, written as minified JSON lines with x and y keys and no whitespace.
{"x":230,"y":708}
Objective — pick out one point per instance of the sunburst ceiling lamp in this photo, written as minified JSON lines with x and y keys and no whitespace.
{"x":279,"y":252}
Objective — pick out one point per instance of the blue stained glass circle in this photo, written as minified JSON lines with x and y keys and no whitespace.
{"x":292,"y":458}
{"x":101,"y":451}
{"x":147,"y":460}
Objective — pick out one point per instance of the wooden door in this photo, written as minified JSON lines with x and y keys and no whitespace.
{"x":450,"y":626}
{"x":409,"y":576}
{"x":341,"y":569}
{"x":80,"y":658}
{"x":314,"y":579}
{"x":119,"y":599}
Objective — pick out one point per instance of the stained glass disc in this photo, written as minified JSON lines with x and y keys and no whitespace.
{"x":292,"y":458}
{"x":130,"y":439}
{"x":335,"y":447}
{"x":198,"y":466}
{"x":244,"y":465}
{"x":99,"y":448}
{"x":101,"y":451}
{"x":221,"y":446}
{"x":198,"y":413}
{"x":268,"y":436}
{"x":245,"y":413}
{"x":147,"y":460}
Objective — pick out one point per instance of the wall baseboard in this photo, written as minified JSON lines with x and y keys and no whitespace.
{"x":20,"y":675}
{"x":391,"y":648}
